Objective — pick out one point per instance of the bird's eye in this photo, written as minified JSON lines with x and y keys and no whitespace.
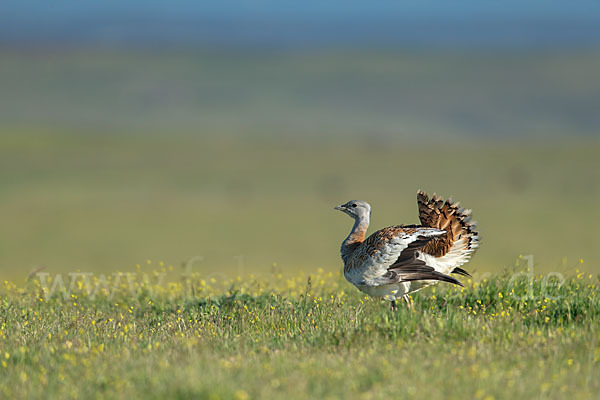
{"x":354,"y":205}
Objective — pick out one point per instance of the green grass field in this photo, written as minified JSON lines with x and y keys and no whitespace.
{"x":219,"y":210}
{"x":301,"y":336}
{"x":227,"y":166}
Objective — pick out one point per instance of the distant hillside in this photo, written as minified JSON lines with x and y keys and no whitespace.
{"x":400,"y":94}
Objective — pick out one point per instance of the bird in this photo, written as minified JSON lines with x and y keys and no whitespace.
{"x":399,"y":260}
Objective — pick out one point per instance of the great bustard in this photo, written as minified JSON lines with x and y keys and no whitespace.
{"x":398,"y":260}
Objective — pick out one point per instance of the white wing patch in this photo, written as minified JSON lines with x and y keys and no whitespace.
{"x":370,"y":272}
{"x":459,"y":253}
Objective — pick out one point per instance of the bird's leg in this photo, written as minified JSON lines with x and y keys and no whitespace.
{"x":409,"y":300}
{"x":394,"y":308}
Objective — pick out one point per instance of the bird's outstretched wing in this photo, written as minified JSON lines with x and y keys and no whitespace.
{"x":410,"y":268}
{"x":390,"y":256}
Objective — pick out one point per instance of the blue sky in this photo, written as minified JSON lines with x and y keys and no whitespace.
{"x":304,"y":21}
{"x":306,"y":9}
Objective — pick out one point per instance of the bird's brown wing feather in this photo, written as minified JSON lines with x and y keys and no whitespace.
{"x":380,"y":239}
{"x":446,"y":215}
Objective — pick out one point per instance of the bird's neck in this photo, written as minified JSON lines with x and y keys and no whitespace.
{"x":355,"y":238}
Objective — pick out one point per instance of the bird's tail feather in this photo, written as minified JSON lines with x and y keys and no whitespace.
{"x":455,"y":247}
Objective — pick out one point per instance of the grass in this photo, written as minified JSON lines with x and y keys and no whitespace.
{"x":298,"y":336}
{"x":230,"y":163}
{"x":111,"y":156}
{"x":101,"y":203}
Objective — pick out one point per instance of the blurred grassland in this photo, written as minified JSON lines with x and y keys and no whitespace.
{"x":111,"y":157}
{"x":313,"y":93}
{"x":234,"y":160}
{"x":104,"y":202}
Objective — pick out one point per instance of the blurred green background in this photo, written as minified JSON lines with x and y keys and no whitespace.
{"x":112,"y":154}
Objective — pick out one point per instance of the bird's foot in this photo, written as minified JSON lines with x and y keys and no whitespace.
{"x":394,"y":308}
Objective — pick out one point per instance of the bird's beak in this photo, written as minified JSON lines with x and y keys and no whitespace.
{"x":340,"y":208}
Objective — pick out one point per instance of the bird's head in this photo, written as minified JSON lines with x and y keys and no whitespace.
{"x":357,"y":209}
